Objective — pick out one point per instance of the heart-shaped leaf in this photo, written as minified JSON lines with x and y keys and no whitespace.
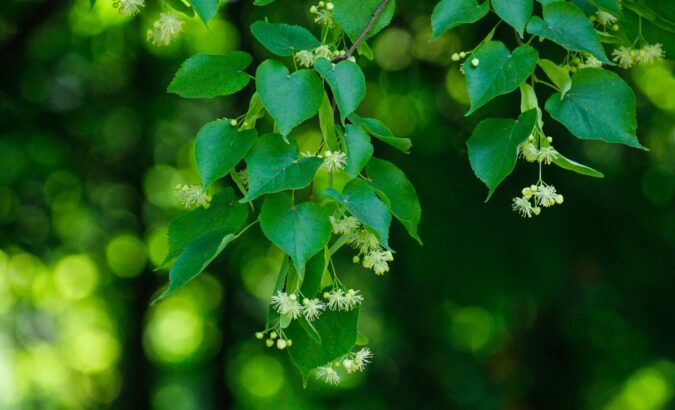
{"x":493,"y":147}
{"x":283,"y":39}
{"x":361,"y":201}
{"x":208,"y":76}
{"x":274,"y":166}
{"x":290,"y":99}
{"x":358,"y":148}
{"x":452,"y":13}
{"x":224,"y":214}
{"x":499,"y":72}
{"x":397,"y":192}
{"x":380,"y":131}
{"x":300,"y":230}
{"x":599,"y":106}
{"x":514,"y":12}
{"x":347,"y":82}
{"x":219,"y":147}
{"x":355,"y":15}
{"x":567,"y":25}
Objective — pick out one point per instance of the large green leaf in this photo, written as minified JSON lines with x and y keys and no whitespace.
{"x":224,"y":214}
{"x":397,"y":192}
{"x":493,"y":147}
{"x":337,"y":330}
{"x":452,"y":13}
{"x":499,"y":71}
{"x":599,"y":106}
{"x":290,"y":99}
{"x":206,"y":9}
{"x":567,"y":25}
{"x":380,"y":131}
{"x":361,"y":201}
{"x":196,"y":257}
{"x":208,"y":76}
{"x":514,"y":12}
{"x":274,"y":166}
{"x":347,"y":82}
{"x":219,"y":147}
{"x":358,"y":148}
{"x":300,"y":230}
{"x":354,"y":15}
{"x":283,"y":39}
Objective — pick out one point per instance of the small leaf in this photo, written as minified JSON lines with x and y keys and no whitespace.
{"x":599,"y":106}
{"x":327,"y":123}
{"x":301,"y":230}
{"x":337,"y":332}
{"x":355,"y":15}
{"x":208,"y":76}
{"x":219,"y":147}
{"x":283,"y":39}
{"x":195,"y":258}
{"x":559,"y":76}
{"x":360,"y":200}
{"x":274,"y":166}
{"x":380,"y":131}
{"x":514,"y":12}
{"x":358,"y":148}
{"x":347,"y":82}
{"x":224,"y":214}
{"x":206,"y":9}
{"x":499,"y":71}
{"x":565,"y":24}
{"x":256,"y":110}
{"x":272,"y":313}
{"x":181,"y":7}
{"x":290,"y":99}
{"x":493,"y":147}
{"x":314,"y":271}
{"x":568,"y":164}
{"x":452,"y":13}
{"x":397,"y":192}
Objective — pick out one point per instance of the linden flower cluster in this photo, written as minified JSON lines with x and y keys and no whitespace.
{"x":605,"y":19}
{"x":190,"y":196}
{"x":333,"y":161}
{"x":584,"y":61}
{"x":627,"y":57}
{"x":324,"y":14}
{"x":289,"y":305}
{"x":128,"y":7}
{"x":275,"y":339}
{"x":462,"y":55}
{"x":307,"y":58}
{"x":338,"y":299}
{"x":164,"y":30}
{"x":375,"y":257}
{"x":351,"y":363}
{"x":543,"y":155}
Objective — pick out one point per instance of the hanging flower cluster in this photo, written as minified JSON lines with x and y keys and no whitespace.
{"x":191,"y":196}
{"x":324,"y":14}
{"x":166,"y":29}
{"x":375,"y":257}
{"x":351,"y":363}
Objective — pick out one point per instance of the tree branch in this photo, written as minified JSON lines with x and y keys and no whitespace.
{"x":363,"y":35}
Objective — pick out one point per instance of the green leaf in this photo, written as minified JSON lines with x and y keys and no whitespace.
{"x":262,"y":2}
{"x":219,"y":147}
{"x":347,"y":82}
{"x":358,"y":148}
{"x":206,"y":9}
{"x":272,"y":313}
{"x":558,"y":75}
{"x":452,"y":13}
{"x":208,"y":76}
{"x":337,"y":332}
{"x":568,"y":164}
{"x":493,"y":147}
{"x":380,"y":131}
{"x":256,"y":110}
{"x":181,"y":7}
{"x":397,"y":192}
{"x":314,"y":271}
{"x":283,"y":39}
{"x":300,"y":230}
{"x":327,"y":123}
{"x":611,"y":6}
{"x":354,"y":15}
{"x":224,"y":214}
{"x":92,"y":3}
{"x":274,"y":166}
{"x":360,"y":200}
{"x":514,"y":12}
{"x":565,"y":24}
{"x":499,"y":71}
{"x":599,"y":106}
{"x":195,"y":258}
{"x":290,"y":99}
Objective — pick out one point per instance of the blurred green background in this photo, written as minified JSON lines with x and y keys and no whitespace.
{"x":572,"y":310}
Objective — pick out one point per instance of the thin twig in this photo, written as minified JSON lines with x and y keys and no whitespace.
{"x":363,"y":35}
